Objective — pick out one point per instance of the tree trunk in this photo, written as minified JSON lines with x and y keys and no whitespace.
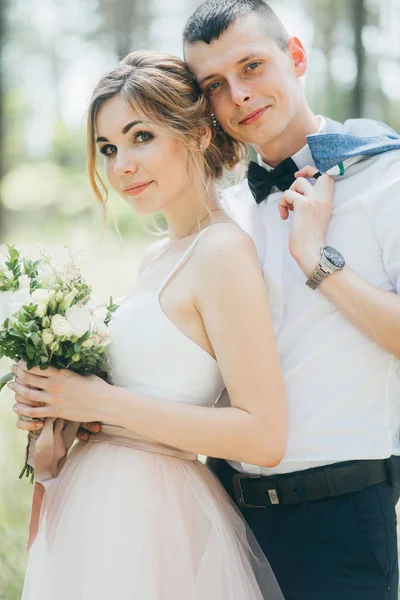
{"x":359,"y":21}
{"x":2,"y":149}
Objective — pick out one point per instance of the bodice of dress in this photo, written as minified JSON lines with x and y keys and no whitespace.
{"x":150,"y":355}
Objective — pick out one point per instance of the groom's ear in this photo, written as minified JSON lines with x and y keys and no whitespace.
{"x":297,"y":55}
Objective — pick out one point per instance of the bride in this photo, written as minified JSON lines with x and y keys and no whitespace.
{"x":133,"y":513}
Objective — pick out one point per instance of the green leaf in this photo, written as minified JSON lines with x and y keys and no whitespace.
{"x":30,"y":352}
{"x":4,"y":379}
{"x":28,"y":472}
{"x":36,"y":339}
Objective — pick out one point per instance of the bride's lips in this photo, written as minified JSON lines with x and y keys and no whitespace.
{"x":138,"y":188}
{"x":253,"y":116}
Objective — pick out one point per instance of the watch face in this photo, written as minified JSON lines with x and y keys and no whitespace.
{"x":334,"y":257}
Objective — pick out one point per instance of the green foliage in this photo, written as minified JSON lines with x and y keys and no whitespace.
{"x":14,"y":502}
{"x":40,"y":185}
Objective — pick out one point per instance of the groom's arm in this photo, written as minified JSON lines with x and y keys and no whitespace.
{"x":374,"y":311}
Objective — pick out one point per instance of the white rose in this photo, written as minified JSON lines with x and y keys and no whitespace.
{"x":79,"y":319}
{"x":47,"y":336}
{"x":11,"y":302}
{"x":46,"y":275}
{"x":60,"y":326}
{"x":24,"y":282}
{"x":41,"y":296}
{"x":98,"y":312}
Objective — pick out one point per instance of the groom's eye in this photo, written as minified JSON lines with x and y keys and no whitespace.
{"x":252,"y":66}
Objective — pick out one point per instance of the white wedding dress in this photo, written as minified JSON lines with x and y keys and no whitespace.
{"x":129,"y":519}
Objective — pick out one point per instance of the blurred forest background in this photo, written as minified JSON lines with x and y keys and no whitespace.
{"x":52,"y":54}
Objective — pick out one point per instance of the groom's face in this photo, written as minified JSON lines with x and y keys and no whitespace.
{"x":253,"y":85}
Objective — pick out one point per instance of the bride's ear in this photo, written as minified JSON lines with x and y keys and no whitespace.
{"x":204,"y":138}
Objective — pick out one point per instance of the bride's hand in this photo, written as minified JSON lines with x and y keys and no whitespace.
{"x":312,"y":209}
{"x":84,"y":432}
{"x":59,"y":393}
{"x":22,"y":423}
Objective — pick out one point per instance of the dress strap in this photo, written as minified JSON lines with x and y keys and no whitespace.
{"x":183,"y":258}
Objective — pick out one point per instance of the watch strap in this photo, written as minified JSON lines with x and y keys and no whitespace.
{"x":318,"y":275}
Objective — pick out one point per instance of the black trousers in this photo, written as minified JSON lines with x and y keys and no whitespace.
{"x":342,"y":548}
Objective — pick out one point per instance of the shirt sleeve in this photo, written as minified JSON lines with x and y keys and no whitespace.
{"x":386,"y":215}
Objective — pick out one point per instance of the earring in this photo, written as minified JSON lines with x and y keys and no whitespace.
{"x":201,"y":147}
{"x":215,"y":123}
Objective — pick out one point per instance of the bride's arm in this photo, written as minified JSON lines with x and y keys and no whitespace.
{"x":231,"y":297}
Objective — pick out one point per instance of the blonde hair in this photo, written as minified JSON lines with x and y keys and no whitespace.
{"x":162,"y":88}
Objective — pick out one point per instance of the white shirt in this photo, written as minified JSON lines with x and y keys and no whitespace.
{"x":343,"y":389}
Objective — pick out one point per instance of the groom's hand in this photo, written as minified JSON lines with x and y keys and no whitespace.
{"x":312,"y":209}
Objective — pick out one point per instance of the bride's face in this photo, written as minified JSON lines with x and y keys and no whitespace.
{"x":146,"y":167}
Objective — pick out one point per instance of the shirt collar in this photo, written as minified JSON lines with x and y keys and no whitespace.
{"x":302,"y":158}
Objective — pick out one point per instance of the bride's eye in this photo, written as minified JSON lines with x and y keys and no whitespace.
{"x":143,"y":136}
{"x":108,"y":150}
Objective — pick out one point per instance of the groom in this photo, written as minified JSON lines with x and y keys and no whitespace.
{"x":325,"y":516}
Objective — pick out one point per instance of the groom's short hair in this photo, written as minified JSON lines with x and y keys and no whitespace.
{"x":212,"y":18}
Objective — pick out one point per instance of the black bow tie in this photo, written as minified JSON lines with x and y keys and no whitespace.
{"x":261,"y":181}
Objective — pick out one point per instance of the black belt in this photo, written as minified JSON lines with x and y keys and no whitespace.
{"x":255,"y":491}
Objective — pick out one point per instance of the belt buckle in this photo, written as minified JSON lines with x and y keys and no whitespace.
{"x":237,"y":486}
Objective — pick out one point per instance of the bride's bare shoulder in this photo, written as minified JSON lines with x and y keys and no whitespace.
{"x":151,"y":253}
{"x":225,"y":238}
{"x":225,"y":245}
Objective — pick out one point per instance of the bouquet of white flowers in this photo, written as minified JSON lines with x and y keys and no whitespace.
{"x":48,"y":317}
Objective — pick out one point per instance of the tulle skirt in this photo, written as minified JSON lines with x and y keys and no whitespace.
{"x":121,"y":523}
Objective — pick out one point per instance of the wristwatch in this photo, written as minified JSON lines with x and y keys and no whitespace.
{"x":331,"y":260}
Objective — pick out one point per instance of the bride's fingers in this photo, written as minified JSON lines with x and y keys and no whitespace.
{"x":83,"y":435}
{"x":86,"y":429}
{"x":46,"y":373}
{"x":22,"y":400}
{"x":94,"y":427}
{"x":23,"y":410}
{"x":29,"y":379}
{"x":29,"y":425}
